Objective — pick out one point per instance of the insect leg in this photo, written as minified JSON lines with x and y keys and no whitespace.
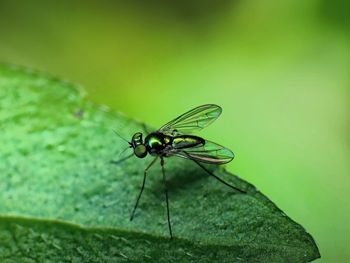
{"x":143,"y":186}
{"x":166,"y":197}
{"x":122,"y":159}
{"x":218,"y":178}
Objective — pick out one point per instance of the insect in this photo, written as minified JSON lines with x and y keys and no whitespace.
{"x":175,"y":139}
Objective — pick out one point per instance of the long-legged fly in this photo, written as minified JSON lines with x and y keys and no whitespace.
{"x":174,"y":139}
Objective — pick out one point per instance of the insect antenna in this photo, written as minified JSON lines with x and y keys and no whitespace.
{"x":121,"y":137}
{"x":123,"y":151}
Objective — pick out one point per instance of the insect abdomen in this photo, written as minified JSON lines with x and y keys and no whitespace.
{"x":187,"y":141}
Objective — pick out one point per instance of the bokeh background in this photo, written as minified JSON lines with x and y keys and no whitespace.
{"x":279,"y":69}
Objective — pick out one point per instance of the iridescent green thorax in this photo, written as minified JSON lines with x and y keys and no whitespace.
{"x":156,"y":142}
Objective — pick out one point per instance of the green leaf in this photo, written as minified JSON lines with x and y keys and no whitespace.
{"x":62,"y":201}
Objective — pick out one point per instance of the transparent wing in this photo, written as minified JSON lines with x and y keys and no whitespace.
{"x":193,"y":120}
{"x":210,"y":152}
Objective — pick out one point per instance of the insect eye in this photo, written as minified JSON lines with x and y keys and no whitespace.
{"x":137,"y":139}
{"x":140,"y":151}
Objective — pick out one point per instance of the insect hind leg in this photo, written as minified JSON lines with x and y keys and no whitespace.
{"x":166,"y":197}
{"x":215,"y":176}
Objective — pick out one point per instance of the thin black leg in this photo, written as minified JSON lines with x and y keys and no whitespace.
{"x":122,"y":159}
{"x":218,"y":178}
{"x":143,"y":186}
{"x":166,"y":197}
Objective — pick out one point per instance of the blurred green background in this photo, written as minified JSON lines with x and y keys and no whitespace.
{"x":280,"y":70}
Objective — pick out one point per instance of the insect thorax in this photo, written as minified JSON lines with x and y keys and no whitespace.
{"x":156,"y":142}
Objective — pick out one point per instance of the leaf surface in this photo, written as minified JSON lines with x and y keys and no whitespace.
{"x":62,"y":200}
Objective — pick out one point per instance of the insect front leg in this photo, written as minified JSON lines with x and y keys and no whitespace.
{"x":166,"y":197}
{"x":143,"y":186}
{"x":122,"y":159}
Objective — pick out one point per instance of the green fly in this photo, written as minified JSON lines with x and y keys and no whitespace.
{"x":174,"y":139}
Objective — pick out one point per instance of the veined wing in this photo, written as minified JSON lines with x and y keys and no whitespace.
{"x":193,"y":120}
{"x":210,"y":152}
